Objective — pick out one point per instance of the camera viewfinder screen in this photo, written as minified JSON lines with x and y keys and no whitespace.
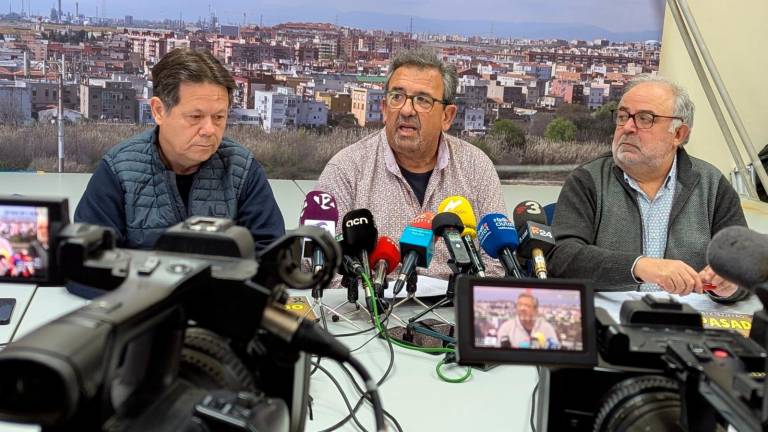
{"x":527,"y":318}
{"x":24,"y":241}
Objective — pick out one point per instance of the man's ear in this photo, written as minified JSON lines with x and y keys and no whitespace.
{"x":681,"y":134}
{"x":448,"y":115}
{"x":158,"y":110}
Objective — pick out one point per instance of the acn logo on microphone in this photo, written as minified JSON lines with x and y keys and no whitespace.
{"x":357,"y":221}
{"x":536,"y":231}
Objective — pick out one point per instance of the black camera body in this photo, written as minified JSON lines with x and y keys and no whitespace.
{"x":658,"y":369}
{"x":179,"y":341}
{"x":661,"y":370}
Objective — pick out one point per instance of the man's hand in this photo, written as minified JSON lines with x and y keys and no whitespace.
{"x":722,"y":287}
{"x":673,"y":276}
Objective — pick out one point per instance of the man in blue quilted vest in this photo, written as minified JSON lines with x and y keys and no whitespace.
{"x":183,"y":167}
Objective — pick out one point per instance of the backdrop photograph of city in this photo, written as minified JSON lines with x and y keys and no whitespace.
{"x":537,"y":82}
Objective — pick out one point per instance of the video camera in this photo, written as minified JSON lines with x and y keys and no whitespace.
{"x":658,"y":370}
{"x":191,"y":336}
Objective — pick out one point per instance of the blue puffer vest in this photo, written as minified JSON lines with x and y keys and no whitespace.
{"x":152,"y":201}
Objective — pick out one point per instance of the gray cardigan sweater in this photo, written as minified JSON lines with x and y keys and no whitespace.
{"x":598,"y":227}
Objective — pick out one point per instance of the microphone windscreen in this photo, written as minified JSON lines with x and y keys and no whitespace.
{"x":549,"y":212}
{"x":320,"y":210}
{"x":386,"y":249}
{"x":494,"y":232}
{"x":445,"y":220}
{"x":463,"y":209}
{"x":528,"y":211}
{"x":739,"y":255}
{"x":423,"y":221}
{"x":359,"y":231}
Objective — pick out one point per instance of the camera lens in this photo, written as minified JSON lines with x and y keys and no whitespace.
{"x":643,"y":403}
{"x":32,"y":392}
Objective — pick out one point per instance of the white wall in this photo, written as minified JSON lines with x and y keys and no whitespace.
{"x":736,"y":35}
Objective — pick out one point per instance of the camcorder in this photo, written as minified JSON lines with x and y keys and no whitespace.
{"x":656,"y":370}
{"x":190,"y":336}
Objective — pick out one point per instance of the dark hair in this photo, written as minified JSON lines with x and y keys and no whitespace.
{"x":188,"y":65}
{"x":426,"y":58}
{"x":530,"y":296}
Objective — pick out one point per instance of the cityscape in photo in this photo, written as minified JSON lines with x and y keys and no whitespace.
{"x":537,"y":82}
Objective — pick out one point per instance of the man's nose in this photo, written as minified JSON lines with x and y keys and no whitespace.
{"x":408,"y":109}
{"x":630,"y":126}
{"x":206,"y":127}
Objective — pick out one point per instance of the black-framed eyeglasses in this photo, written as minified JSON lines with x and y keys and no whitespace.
{"x":421,"y":103}
{"x":643,"y":119}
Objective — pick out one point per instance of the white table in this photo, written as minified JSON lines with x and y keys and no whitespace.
{"x":23,"y":294}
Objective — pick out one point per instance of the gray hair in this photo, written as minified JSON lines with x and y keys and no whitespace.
{"x":683,"y":105}
{"x":426,"y":58}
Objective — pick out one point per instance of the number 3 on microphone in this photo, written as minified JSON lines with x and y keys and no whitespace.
{"x":532,"y":207}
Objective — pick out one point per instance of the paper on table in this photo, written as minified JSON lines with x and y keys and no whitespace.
{"x":611,"y":302}
{"x":425,"y":287}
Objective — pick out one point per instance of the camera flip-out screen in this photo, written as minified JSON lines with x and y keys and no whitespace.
{"x":27,"y":228}
{"x":528,"y":321}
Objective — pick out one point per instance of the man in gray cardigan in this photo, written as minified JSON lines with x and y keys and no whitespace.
{"x":642,"y":216}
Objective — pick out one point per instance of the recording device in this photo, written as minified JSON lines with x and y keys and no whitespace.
{"x":658,"y":369}
{"x":463,"y":209}
{"x":319,"y":210}
{"x":448,"y":226}
{"x":498,"y":238}
{"x":360,"y":235}
{"x":740,"y":255}
{"x":183,"y":340}
{"x":27,"y":227}
{"x":527,"y":321}
{"x":536,"y":238}
{"x":6,"y":310}
{"x":416,"y":247}
{"x":384,"y":260}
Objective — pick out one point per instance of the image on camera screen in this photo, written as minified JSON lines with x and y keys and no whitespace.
{"x":527,"y":318}
{"x":24,"y":241}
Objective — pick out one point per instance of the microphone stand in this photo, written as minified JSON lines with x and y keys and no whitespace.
{"x":449,"y":294}
{"x":350,"y":283}
{"x":320,"y":307}
{"x":410,"y":288}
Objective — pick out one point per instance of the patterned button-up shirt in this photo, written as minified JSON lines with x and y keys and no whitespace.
{"x":366,"y":175}
{"x":655,"y":216}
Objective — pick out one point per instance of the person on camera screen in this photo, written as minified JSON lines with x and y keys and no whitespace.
{"x":527,"y":329}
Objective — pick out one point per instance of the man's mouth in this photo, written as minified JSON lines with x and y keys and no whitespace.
{"x":407,"y":129}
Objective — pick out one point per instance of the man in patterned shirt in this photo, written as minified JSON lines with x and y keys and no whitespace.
{"x":642,"y":216}
{"x":411,"y":165}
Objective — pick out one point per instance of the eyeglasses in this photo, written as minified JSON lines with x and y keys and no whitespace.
{"x":643,"y":119}
{"x":421,"y":103}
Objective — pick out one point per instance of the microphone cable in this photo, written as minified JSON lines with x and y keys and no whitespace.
{"x":363,"y":397}
{"x":450,"y":351}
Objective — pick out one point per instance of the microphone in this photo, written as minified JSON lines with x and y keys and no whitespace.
{"x":416,"y":247}
{"x":536,"y":238}
{"x":448,"y":226}
{"x":740,"y":255}
{"x":463,"y":209}
{"x":384,"y":259}
{"x":498,"y":238}
{"x":360,"y":235}
{"x":319,"y":210}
